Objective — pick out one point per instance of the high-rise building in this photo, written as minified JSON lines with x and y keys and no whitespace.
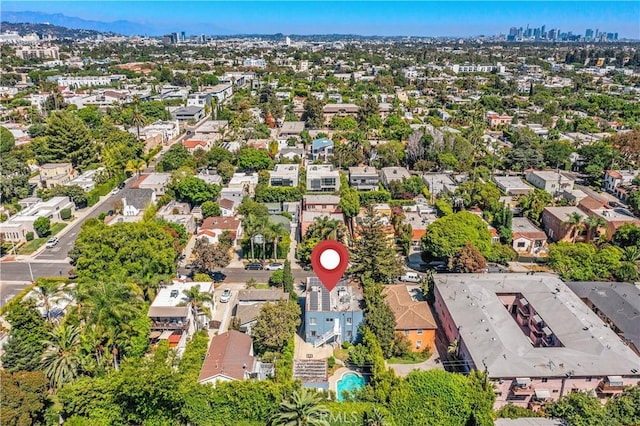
{"x":183,"y":36}
{"x":588,"y":34}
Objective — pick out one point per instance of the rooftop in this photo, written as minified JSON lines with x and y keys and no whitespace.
{"x":550,"y":175}
{"x":411,"y":314}
{"x":511,"y":182}
{"x":367,"y":170}
{"x":153,"y":179}
{"x":230,"y":355}
{"x":292,"y":127}
{"x":343,"y":298}
{"x":265,"y":295}
{"x":321,"y":199}
{"x":620,"y":302}
{"x":522,"y":225}
{"x":173,"y":295}
{"x":495,"y":341}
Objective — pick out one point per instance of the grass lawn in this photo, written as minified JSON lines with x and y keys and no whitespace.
{"x":35,"y":244}
{"x":262,"y":286}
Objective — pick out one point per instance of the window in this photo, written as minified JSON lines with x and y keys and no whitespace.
{"x":588,"y":379}
{"x":419,"y":344}
{"x":545,"y":380}
{"x":349,"y":334}
{"x":406,"y":332}
{"x":313,"y":333}
{"x":349,"y":321}
{"x":419,"y":331}
{"x":521,"y":244}
{"x":328,"y":319}
{"x":312,"y":321}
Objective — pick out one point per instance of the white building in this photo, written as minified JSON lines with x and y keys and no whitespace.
{"x":553,"y":182}
{"x":284,"y":175}
{"x":173,"y":316}
{"x":322,"y":178}
{"x":15,"y":229}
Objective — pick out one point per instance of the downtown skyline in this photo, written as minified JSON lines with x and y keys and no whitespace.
{"x":381,"y":18}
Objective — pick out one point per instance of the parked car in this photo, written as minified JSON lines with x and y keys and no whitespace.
{"x":217,"y":276}
{"x":115,"y":191}
{"x":188,"y":266}
{"x":225,"y":296}
{"x":255,"y":266}
{"x":121,"y":185}
{"x":52,"y":242}
{"x":72,"y":274}
{"x":274,"y":266}
{"x":410,"y":277}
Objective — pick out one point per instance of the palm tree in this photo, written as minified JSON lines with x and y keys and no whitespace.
{"x":111,"y":306}
{"x":302,"y":409}
{"x":49,"y":292}
{"x":254,"y":226}
{"x":375,"y":418}
{"x":629,"y":264}
{"x":275,"y":232}
{"x":61,"y":360}
{"x":593,"y":223}
{"x":574,"y":220}
{"x":135,"y":166}
{"x":197,"y":299}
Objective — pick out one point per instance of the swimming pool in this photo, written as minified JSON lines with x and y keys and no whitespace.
{"x":349,"y":382}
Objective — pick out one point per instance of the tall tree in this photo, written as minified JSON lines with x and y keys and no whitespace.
{"x":313,"y":115}
{"x":468,"y":259}
{"x":373,"y":254}
{"x":48,"y":292}
{"x":24,"y":398}
{"x":28,"y":333}
{"x":575,"y":223}
{"x":68,"y":139}
{"x":275,"y":325}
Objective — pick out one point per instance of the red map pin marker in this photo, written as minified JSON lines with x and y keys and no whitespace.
{"x":329,"y":260}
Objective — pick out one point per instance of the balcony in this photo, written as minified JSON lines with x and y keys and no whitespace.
{"x":522,"y":387}
{"x":611,"y":385}
{"x":169,"y":325}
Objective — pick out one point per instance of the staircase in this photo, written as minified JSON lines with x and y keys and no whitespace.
{"x":334,"y":332}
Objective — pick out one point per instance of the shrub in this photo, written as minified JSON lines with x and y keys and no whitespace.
{"x":331,"y":362}
{"x":42,"y":226}
{"x":29,"y":236}
{"x":65,"y":214}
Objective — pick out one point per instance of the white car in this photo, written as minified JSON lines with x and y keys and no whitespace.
{"x":274,"y":267}
{"x":115,"y":191}
{"x":410,"y":277}
{"x":52,"y":242}
{"x":225,"y":296}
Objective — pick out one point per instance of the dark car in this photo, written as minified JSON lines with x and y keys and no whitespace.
{"x":121,"y":185}
{"x":254,"y":267}
{"x":217,"y":276}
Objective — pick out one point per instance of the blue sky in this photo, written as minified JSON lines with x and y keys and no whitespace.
{"x":422,"y":18}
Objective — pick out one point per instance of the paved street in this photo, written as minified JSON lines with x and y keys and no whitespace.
{"x":9,"y":289}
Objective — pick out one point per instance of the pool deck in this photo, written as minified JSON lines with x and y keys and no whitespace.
{"x":335,"y":377}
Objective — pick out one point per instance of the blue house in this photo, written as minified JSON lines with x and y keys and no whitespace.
{"x":333,"y":316}
{"x":321,"y":149}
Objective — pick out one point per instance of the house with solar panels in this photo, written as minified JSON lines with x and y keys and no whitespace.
{"x":332,"y":316}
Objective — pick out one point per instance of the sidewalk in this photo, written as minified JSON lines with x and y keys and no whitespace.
{"x":79,"y":216}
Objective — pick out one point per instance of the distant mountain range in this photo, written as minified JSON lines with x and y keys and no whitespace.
{"x":118,"y":27}
{"x":52,"y":30}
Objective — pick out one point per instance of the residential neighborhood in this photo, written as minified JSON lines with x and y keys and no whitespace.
{"x":162,"y":197}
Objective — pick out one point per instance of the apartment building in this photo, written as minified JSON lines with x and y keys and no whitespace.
{"x":536,"y":340}
{"x":332,"y":316}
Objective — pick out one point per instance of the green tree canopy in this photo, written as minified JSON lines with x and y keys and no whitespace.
{"x":68,"y":139}
{"x":275,"y":325}
{"x":195,"y":191}
{"x":254,"y":159}
{"x":448,"y":234}
{"x":7,"y":141}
